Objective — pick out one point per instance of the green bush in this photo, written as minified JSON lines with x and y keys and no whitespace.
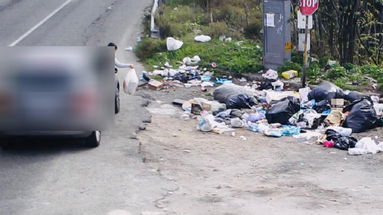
{"x":216,"y":29}
{"x":323,"y":61}
{"x":149,"y":47}
{"x":314,"y":72}
{"x":289,"y":65}
{"x":253,"y":31}
{"x":373,"y":70}
{"x":297,"y":57}
{"x":178,"y":21}
{"x":336,"y":72}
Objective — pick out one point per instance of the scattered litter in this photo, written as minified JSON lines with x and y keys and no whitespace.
{"x":334,"y":118}
{"x":340,"y":141}
{"x":271,"y":74}
{"x":308,"y":136}
{"x":237,"y":123}
{"x":328,"y":144}
{"x":155,"y":85}
{"x":366,"y":145}
{"x":303,"y":93}
{"x":129,"y":49}
{"x":290,"y":74}
{"x":191,"y":61}
{"x":345,"y":132}
{"x":277,"y":85}
{"x":202,"y":38}
{"x":243,"y":138}
{"x":173,"y":44}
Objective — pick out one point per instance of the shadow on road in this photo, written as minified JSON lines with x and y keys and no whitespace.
{"x":41,"y":146}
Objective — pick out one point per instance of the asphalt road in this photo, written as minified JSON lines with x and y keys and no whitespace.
{"x":61,"y":177}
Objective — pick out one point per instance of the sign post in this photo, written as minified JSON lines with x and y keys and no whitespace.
{"x":307,"y":7}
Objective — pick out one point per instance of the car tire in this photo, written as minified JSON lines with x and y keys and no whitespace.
{"x":93,"y":140}
{"x":117,"y":100}
{"x":5,"y":143}
{"x":117,"y":104}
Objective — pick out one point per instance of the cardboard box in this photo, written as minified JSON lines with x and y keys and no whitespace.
{"x":337,"y":103}
{"x":155,"y":85}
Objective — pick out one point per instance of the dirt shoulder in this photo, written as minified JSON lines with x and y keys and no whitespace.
{"x":225,"y":174}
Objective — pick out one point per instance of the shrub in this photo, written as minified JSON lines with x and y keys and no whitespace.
{"x":148,"y":47}
{"x":297,"y":57}
{"x":336,"y":72}
{"x":178,"y":21}
{"x":289,"y":65}
{"x":372,"y":70}
{"x":314,"y":72}
{"x":217,"y":29}
{"x":253,"y":31}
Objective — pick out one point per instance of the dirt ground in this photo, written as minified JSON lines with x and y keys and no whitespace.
{"x":225,"y":174}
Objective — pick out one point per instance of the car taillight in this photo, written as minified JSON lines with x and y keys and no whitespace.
{"x":83,"y":102}
{"x":5,"y":102}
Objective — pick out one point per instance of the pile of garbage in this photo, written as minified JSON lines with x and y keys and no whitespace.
{"x":188,"y":75}
{"x":326,"y":112}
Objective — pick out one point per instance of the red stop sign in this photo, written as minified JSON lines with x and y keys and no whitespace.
{"x":308,"y":7}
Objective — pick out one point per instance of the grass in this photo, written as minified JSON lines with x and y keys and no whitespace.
{"x":232,"y":57}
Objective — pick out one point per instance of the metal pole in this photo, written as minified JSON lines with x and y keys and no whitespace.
{"x":305,"y":53}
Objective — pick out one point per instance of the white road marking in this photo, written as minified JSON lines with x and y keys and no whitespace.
{"x":40,"y":23}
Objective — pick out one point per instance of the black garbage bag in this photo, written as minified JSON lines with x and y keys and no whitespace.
{"x":181,"y":77}
{"x":354,"y":96}
{"x":266,"y":85}
{"x":340,"y":141}
{"x":362,"y":116}
{"x":326,"y":91}
{"x":283,"y":110}
{"x":239,"y":101}
{"x":322,"y":106}
{"x":226,"y":91}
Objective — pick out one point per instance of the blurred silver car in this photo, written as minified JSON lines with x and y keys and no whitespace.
{"x":67,"y":93}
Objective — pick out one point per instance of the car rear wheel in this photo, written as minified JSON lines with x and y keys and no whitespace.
{"x":117,"y":100}
{"x":93,"y":140}
{"x":117,"y":104}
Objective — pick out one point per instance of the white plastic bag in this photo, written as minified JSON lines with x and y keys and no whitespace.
{"x":131,"y":82}
{"x":366,"y":145}
{"x":271,"y":74}
{"x":304,"y":92}
{"x":202,"y":38}
{"x":173,"y":44}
